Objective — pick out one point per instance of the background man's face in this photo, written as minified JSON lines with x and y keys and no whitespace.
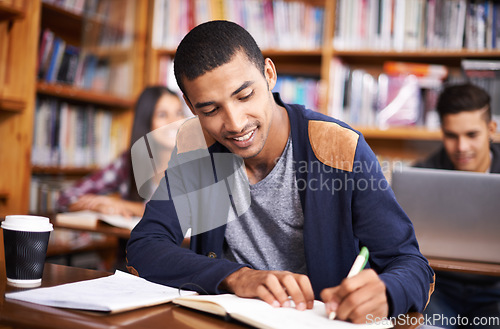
{"x":234,"y":105}
{"x":466,"y":138}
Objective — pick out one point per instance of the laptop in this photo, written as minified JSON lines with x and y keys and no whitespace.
{"x":456,"y":214}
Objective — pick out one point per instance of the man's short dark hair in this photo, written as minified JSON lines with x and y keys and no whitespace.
{"x":210,"y":45}
{"x":464,"y":97}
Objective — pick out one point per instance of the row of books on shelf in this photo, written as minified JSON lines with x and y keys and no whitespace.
{"x":44,"y":193}
{"x":67,"y":135}
{"x":417,"y":24}
{"x":108,"y":23}
{"x":59,"y":62}
{"x":293,"y":89}
{"x":299,"y":90}
{"x":485,"y":74}
{"x":403,"y":94}
{"x":275,"y":24}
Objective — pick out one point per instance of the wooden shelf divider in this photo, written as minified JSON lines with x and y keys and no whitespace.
{"x":12,"y":105}
{"x":67,"y":171}
{"x":403,"y":133}
{"x":10,"y":13}
{"x":418,"y":53}
{"x":82,"y":95}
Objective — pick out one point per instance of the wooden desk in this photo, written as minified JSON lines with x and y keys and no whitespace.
{"x":464,"y":266}
{"x":26,"y":315}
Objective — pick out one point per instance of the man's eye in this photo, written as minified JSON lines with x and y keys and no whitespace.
{"x":247,"y":96}
{"x":209,"y":113}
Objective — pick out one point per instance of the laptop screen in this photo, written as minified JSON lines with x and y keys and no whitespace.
{"x":456,"y":214}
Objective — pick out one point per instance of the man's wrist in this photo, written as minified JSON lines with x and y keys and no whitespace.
{"x":228,"y":283}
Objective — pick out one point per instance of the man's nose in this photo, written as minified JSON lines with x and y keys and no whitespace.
{"x":462,"y":144}
{"x":235,"y":120}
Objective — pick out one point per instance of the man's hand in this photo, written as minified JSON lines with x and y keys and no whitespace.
{"x":273,"y":287}
{"x":357,"y":297}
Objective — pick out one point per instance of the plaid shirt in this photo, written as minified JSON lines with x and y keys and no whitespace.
{"x":113,"y":178}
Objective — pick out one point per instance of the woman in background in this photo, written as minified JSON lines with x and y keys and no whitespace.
{"x":156,"y":107}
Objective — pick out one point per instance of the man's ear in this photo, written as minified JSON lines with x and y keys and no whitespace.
{"x":270,"y":73}
{"x":188,"y":104}
{"x":492,"y":128}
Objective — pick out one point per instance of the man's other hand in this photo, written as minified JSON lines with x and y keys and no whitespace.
{"x":273,"y":287}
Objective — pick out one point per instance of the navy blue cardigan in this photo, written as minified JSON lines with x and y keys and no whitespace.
{"x":359,"y":209}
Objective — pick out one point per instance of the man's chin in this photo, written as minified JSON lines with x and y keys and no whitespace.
{"x":465,"y":166}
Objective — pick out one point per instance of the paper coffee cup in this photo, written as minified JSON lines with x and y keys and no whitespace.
{"x":25,"y":242}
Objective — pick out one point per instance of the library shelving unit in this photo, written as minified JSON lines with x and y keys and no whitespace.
{"x":411,"y":142}
{"x":270,"y":23}
{"x":19,"y":22}
{"x":405,"y":142}
{"x":358,"y":49}
{"x":109,"y":38}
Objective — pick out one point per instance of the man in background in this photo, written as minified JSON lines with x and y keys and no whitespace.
{"x":468,"y":129}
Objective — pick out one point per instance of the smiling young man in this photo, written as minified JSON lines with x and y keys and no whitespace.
{"x":468,"y":130}
{"x":317,"y":195}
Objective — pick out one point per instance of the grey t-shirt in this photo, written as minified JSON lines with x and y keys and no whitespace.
{"x":269,"y":235}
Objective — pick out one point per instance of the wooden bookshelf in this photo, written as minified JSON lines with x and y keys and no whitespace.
{"x":19,"y":23}
{"x":86,"y":31}
{"x":399,"y":142}
{"x":296,"y":62}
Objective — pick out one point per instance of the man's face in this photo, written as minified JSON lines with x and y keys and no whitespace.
{"x":234,"y":104}
{"x":466,"y":138}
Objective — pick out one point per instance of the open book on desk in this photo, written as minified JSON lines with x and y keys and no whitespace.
{"x":115,"y":293}
{"x":259,"y":314}
{"x":89,"y":219}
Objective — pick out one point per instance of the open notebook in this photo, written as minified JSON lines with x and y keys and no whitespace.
{"x":259,"y":314}
{"x":115,"y":293}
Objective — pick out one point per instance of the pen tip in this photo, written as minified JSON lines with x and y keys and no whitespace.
{"x":332,"y":315}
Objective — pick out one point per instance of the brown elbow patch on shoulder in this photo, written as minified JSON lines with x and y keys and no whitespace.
{"x":191,"y":137}
{"x":333,"y":145}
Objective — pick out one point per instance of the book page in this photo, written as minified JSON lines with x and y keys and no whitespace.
{"x":120,"y":221}
{"x":83,"y":218}
{"x":118,"y":292}
{"x":260,"y":314}
{"x":89,"y":218}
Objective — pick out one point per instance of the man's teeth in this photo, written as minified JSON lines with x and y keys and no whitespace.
{"x":243,"y":138}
